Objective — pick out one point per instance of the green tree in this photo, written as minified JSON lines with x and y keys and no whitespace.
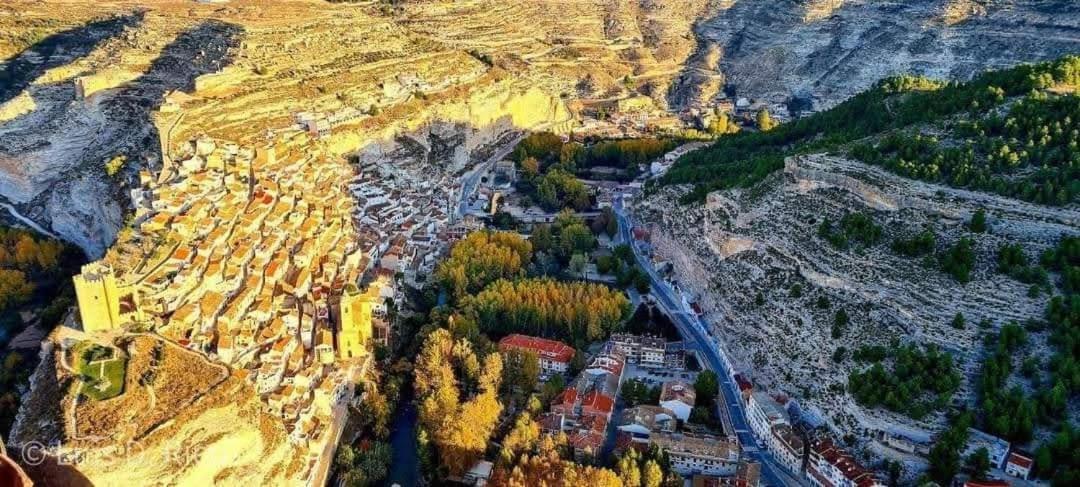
{"x":958,"y":321}
{"x":979,"y":463}
{"x":840,"y":322}
{"x":978,"y":221}
{"x":706,"y":387}
{"x":578,"y":262}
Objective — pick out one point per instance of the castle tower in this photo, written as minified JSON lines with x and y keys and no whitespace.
{"x":103,"y":303}
{"x":357,"y":312}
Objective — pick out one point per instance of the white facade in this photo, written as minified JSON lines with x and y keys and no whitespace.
{"x":762,"y":412}
{"x":681,"y":409}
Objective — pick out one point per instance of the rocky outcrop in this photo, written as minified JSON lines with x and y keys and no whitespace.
{"x":765,"y":240}
{"x":828,"y":50}
{"x":52,"y":158}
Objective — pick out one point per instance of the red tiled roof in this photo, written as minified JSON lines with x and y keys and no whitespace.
{"x":595,"y":401}
{"x":595,"y":423}
{"x":546,"y":349}
{"x":587,"y":440}
{"x":986,"y":483}
{"x":567,"y":396}
{"x":1020,"y":460}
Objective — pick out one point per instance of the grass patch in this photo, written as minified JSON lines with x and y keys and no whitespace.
{"x":101,"y":369}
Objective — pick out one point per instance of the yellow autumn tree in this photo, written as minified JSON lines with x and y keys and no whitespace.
{"x":459,"y":417}
{"x":480,"y":258}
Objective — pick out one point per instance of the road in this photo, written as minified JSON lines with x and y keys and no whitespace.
{"x":694,"y":329}
{"x":470,"y":181}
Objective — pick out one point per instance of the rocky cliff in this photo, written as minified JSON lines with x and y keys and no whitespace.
{"x":828,"y":50}
{"x":92,"y":80}
{"x":764,"y":241}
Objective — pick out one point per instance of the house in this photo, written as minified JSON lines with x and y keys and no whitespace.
{"x":641,"y":421}
{"x":554,"y":356}
{"x":596,"y":403}
{"x":586,"y":444}
{"x":986,"y":483}
{"x":699,"y":454}
{"x":1018,"y":465}
{"x":648,"y":351}
{"x":552,"y":423}
{"x":479,"y":473}
{"x":997,"y":449}
{"x":830,"y":466}
{"x":679,"y":397}
{"x":787,"y":447}
{"x":763,"y":412}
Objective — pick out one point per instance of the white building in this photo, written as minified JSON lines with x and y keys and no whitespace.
{"x":997,"y":449}
{"x":763,"y":412}
{"x":679,"y":397}
{"x":1018,"y":465}
{"x":647,"y":351}
{"x":787,"y":447}
{"x":699,"y":454}
{"x":554,"y":356}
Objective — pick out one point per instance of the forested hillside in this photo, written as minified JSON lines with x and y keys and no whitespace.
{"x":1012,"y":132}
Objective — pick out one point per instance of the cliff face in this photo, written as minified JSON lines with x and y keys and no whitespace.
{"x":84,"y":87}
{"x":89,"y":106}
{"x":828,"y":50}
{"x":764,"y":241}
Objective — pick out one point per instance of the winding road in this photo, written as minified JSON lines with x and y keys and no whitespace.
{"x":695,"y":330}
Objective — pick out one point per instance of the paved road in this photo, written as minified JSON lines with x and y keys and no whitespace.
{"x":694,"y":329}
{"x":469,"y":183}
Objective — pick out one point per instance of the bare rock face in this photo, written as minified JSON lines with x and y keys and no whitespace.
{"x":764,"y":240}
{"x":828,"y":50}
{"x":85,"y":112}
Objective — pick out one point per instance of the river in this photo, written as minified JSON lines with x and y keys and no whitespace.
{"x":405,"y":466}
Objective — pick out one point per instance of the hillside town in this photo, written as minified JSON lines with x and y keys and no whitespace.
{"x":277,"y":261}
{"x":289,"y":266}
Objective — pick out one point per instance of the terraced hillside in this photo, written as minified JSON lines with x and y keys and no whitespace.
{"x":916,"y":213}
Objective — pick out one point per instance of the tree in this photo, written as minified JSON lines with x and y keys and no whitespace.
{"x":115,"y":165}
{"x":765,"y":121}
{"x":978,"y":221}
{"x":840,"y":322}
{"x":575,"y":238}
{"x":958,"y":321}
{"x":446,"y":371}
{"x":707,"y":386}
{"x":541,"y":238}
{"x":375,"y":414}
{"x":578,"y":310}
{"x":653,"y":475}
{"x":15,"y":288}
{"x":945,"y":454}
{"x":627,"y":468}
{"x":578,"y":262}
{"x":722,"y":125}
{"x":641,"y":282}
{"x":530,"y":167}
{"x":979,"y":463}
{"x":481,"y":258}
{"x":959,"y":260}
{"x":522,"y":437}
{"x":521,"y":370}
